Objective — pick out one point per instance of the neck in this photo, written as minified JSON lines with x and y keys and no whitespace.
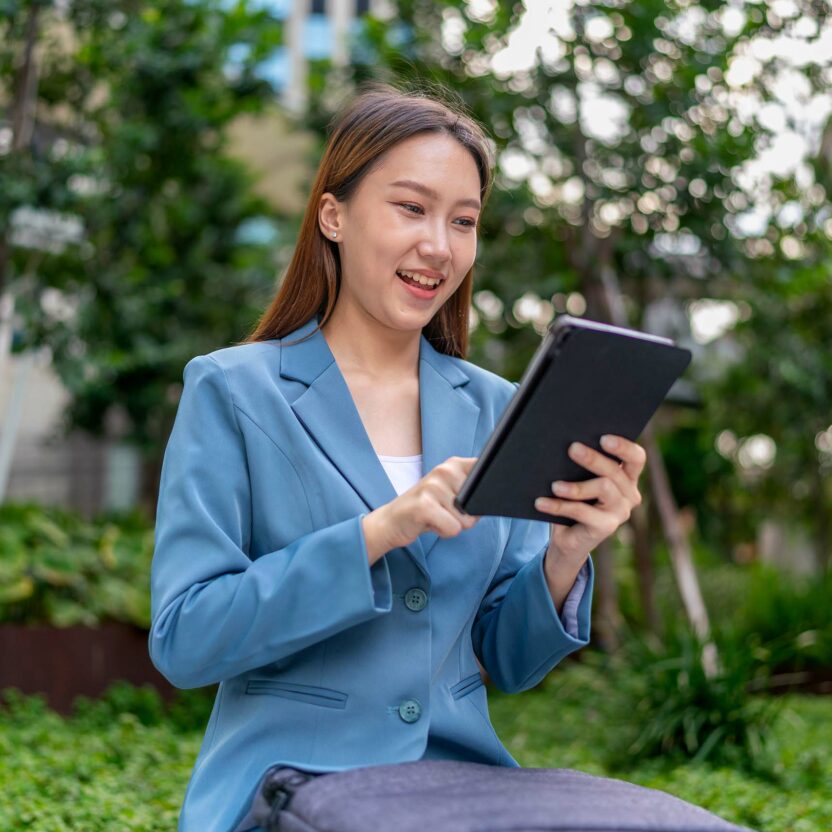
{"x":362,"y":345}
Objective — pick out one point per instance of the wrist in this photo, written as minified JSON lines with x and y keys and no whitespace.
{"x":557,"y":558}
{"x":375,"y":535}
{"x":561,"y":572}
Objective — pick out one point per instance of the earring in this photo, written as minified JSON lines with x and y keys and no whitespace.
{"x":334,"y":233}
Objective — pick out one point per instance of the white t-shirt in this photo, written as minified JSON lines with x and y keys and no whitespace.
{"x":404,"y":471}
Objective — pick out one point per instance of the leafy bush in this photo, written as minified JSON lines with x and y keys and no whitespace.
{"x":101,"y":770}
{"x":123,"y":762}
{"x":784,"y":622}
{"x":56,"y":568}
{"x":189,"y":710}
{"x":788,"y":620}
{"x":674,"y":709}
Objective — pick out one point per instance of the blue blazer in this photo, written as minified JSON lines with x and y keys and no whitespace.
{"x":261,"y":581}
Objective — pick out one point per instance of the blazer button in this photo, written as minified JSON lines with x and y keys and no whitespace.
{"x":415,"y":599}
{"x":410,"y":710}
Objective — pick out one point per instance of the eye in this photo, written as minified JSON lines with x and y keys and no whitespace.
{"x":412,"y":208}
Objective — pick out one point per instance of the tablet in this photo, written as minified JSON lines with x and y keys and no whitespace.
{"x":586,"y":379}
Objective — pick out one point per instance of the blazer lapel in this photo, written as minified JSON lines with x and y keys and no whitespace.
{"x":328,"y":412}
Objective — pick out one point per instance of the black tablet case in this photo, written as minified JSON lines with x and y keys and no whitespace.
{"x":583,"y":382}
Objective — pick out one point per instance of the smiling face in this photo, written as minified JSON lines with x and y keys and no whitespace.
{"x":410,"y":222}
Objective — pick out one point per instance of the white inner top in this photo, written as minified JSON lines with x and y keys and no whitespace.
{"x":404,"y":471}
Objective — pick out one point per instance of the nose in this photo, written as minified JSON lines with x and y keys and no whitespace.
{"x":435,"y":244}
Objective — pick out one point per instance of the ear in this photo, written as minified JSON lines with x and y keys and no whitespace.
{"x":329,"y":217}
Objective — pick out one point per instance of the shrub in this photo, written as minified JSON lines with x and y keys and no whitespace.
{"x":188,"y":710}
{"x":56,"y":568}
{"x":788,"y":620}
{"x":674,"y":709}
{"x":784,"y":622}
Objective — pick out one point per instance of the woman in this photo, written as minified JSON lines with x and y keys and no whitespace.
{"x":308,"y":555}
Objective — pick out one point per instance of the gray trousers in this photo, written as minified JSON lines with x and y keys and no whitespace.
{"x":450,"y":796}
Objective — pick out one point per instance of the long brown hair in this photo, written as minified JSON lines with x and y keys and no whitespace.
{"x":375,"y":120}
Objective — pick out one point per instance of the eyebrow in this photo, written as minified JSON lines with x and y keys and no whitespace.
{"x":429,"y":192}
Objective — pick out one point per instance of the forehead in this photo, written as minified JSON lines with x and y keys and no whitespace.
{"x":437,"y":160}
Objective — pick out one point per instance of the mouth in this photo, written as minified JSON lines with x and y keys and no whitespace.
{"x":419,"y":284}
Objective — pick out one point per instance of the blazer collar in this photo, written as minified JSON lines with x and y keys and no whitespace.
{"x":327,"y":410}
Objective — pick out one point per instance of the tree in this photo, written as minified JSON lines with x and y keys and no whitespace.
{"x":133,"y":105}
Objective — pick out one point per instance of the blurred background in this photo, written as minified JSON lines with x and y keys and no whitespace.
{"x":665,"y":165}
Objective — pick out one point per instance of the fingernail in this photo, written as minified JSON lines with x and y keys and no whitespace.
{"x":560,"y":487}
{"x":609,"y":442}
{"x":577,"y":449}
{"x":539,"y":503}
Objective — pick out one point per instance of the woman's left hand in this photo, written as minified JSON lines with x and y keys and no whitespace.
{"x":615,"y":488}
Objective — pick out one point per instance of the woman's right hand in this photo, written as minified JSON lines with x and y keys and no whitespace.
{"x":427,"y":506}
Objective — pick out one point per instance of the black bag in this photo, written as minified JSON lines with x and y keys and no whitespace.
{"x":447,"y":796}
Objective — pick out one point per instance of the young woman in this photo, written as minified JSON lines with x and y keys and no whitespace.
{"x":309,"y":558}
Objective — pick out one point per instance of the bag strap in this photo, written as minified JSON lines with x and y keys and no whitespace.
{"x":279,"y":788}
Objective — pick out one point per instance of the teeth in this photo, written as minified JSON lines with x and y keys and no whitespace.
{"x":420,"y":278}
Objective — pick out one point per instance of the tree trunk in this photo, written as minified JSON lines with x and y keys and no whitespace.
{"x":151,"y":472}
{"x":680,"y":553}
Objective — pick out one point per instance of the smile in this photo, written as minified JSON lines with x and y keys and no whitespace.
{"x":413,"y":278}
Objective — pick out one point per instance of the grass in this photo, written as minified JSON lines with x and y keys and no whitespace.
{"x":123,"y":763}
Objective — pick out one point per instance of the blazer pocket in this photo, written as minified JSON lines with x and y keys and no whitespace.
{"x":311,"y":694}
{"x":468,"y":685}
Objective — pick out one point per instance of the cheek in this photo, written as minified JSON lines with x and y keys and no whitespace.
{"x":464,"y":252}
{"x":398,"y":238}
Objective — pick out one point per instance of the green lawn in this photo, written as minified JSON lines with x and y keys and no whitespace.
{"x":123,"y":765}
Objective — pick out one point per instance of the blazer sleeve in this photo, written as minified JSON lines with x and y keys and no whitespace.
{"x":518,"y":635}
{"x":216,"y":612}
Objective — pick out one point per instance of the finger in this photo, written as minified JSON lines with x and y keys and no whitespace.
{"x":630,"y":453}
{"x":455,"y":470}
{"x":601,"y":523}
{"x":601,"y":488}
{"x":446,"y":523}
{"x":602,"y":465}
{"x":446,"y":500}
{"x":437,"y":496}
{"x":468,"y":521}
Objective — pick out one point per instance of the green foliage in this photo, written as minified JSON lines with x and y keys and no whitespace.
{"x":783,"y":622}
{"x":187,"y":711}
{"x":103,"y":769}
{"x":134,"y":103}
{"x":784,"y":382}
{"x":786,"y":622}
{"x":677,"y":709}
{"x":583,"y":200}
{"x":123,"y":762}
{"x":58,"y":569}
